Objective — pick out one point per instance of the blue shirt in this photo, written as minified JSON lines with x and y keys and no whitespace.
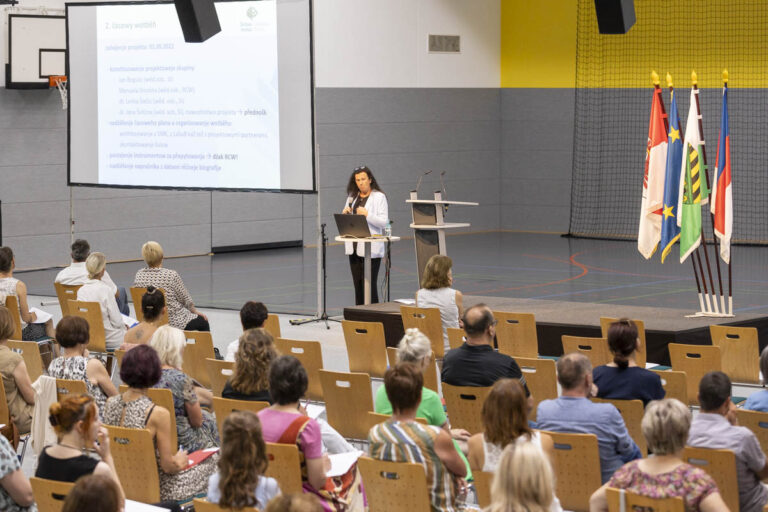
{"x":757,"y":401}
{"x":632,"y":383}
{"x":266,"y":489}
{"x":572,"y":415}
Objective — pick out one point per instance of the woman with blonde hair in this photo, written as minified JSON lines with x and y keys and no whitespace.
{"x":250,"y":380}
{"x":18,"y":386}
{"x":95,"y":290}
{"x":523,"y":481}
{"x":436,"y":292}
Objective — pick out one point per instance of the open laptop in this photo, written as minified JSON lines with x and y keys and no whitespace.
{"x":353,"y":226}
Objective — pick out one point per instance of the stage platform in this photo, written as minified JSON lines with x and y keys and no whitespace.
{"x":555,"y":318}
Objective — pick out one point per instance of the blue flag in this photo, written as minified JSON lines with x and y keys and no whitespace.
{"x":670,"y":232}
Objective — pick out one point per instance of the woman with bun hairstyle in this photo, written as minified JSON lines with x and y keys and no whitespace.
{"x":152,"y":307}
{"x":622,"y":379}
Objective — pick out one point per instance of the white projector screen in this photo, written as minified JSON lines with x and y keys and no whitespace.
{"x":148,"y":110}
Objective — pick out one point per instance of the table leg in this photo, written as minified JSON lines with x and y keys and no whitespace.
{"x":367,"y":275}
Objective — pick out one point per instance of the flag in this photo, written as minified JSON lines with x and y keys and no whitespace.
{"x":722,"y":198}
{"x":693,"y":138}
{"x":670,"y":232}
{"x":649,"y":233}
{"x":694,"y":194}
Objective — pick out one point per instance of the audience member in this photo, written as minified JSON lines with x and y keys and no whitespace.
{"x":294,"y":503}
{"x":18,"y":387}
{"x":93,"y":493}
{"x":715,"y":427}
{"x":250,"y":380}
{"x":285,"y":421}
{"x":758,"y":401}
{"x":196,"y":428}
{"x":95,"y":290}
{"x":140,"y":370}
{"x":32,"y":330}
{"x":72,"y":334}
{"x":242,"y":461}
{"x":622,"y":379}
{"x":15,"y":489}
{"x":252,"y":316}
{"x":664,"y":475}
{"x":523,"y":481}
{"x":436,"y":292}
{"x":76,"y":274}
{"x":573,"y":412}
{"x":182,"y":313}
{"x":152,"y":308}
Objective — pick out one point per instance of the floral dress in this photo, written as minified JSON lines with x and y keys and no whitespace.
{"x":73,"y":368}
{"x":9,"y":463}
{"x":192,"y":439}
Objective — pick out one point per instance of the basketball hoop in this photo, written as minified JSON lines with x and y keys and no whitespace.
{"x":59,"y":82}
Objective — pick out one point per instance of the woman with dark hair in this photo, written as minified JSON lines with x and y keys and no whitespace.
{"x":250,"y":380}
{"x":437,"y":292}
{"x":152,"y":307}
{"x":242,"y":461}
{"x":93,"y":492}
{"x":622,"y":379}
{"x":364,"y":197}
{"x":19,"y":393}
{"x":32,"y":330}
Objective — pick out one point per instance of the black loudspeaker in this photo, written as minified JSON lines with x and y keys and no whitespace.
{"x":198,"y":19}
{"x":615,"y":16}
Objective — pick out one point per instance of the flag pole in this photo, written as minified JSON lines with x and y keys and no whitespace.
{"x":730,"y":256}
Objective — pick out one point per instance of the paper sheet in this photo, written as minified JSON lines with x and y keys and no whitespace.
{"x":341,"y":462}
{"x":407,"y":302}
{"x":42,"y":316}
{"x":314,"y":410}
{"x":129,"y":322}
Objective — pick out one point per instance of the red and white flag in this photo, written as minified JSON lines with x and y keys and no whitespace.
{"x":649,"y":234}
{"x":722,"y":195}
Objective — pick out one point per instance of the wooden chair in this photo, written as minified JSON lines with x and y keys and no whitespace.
{"x":219,"y":372}
{"x":427,"y":320}
{"x":596,"y":349}
{"x":91,"y":312}
{"x":632,"y":412}
{"x":50,"y":494}
{"x":223,"y":407}
{"x":119,"y":355}
{"x":464,"y":405}
{"x":721,"y":466}
{"x":640,"y":356}
{"x":30,"y":351}
{"x":65,"y":293}
{"x":675,"y":384}
{"x":66,"y":387}
{"x":483,"y":481}
{"x":272,"y":325}
{"x":430,"y":373}
{"x":199,"y":347}
{"x":637,"y":502}
{"x":516,"y":334}
{"x":133,"y":451}
{"x":739,"y":352}
{"x":366,"y":347}
{"x":5,"y":411}
{"x":394,"y":486}
{"x":695,"y":361}
{"x":347,"y":402}
{"x":311,"y":356}
{"x":541,"y":377}
{"x":202,"y":505}
{"x":285,"y":467}
{"x":456,"y":337}
{"x":12,"y":303}
{"x":577,"y":469}
{"x":137,"y":292}
{"x":757,"y":422}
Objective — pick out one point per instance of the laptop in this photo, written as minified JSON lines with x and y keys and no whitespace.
{"x":353,"y":226}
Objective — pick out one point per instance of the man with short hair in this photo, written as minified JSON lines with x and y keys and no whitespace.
{"x":76,"y":274}
{"x":574,"y":413}
{"x":715,"y":427}
{"x":252,"y":316}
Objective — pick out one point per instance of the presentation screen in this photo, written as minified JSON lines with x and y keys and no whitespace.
{"x":147,"y":109}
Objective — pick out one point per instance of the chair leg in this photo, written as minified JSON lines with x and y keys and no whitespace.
{"x":23,"y":439}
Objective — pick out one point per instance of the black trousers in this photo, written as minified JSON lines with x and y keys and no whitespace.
{"x":357,"y":265}
{"x":198,"y":324}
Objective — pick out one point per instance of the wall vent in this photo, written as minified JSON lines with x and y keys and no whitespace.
{"x":444,"y":44}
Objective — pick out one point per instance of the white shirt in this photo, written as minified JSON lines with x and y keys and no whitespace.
{"x":114,"y":328}
{"x":232,"y":350}
{"x":378,"y":215}
{"x":76,"y":274}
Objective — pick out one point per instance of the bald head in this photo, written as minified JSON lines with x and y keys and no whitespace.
{"x":478,"y":320}
{"x":571,"y":370}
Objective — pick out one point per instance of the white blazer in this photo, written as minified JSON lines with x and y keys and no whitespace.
{"x":378,"y":215}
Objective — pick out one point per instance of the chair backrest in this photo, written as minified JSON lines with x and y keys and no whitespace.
{"x":65,"y":293}
{"x":272,"y":325}
{"x":516,"y":334}
{"x":721,"y":466}
{"x":5,"y":411}
{"x":596,"y":349}
{"x":137,"y":292}
{"x":285,"y":467}
{"x":91,"y":311}
{"x":637,"y":502}
{"x":223,"y":407}
{"x":219,"y":372}
{"x":739,"y":352}
{"x":640,"y":356}
{"x":66,"y":387}
{"x":12,"y":303}
{"x":347,"y":401}
{"x":394,"y":486}
{"x":541,"y":377}
{"x":133,"y":451}
{"x":757,"y":422}
{"x":483,"y":480}
{"x":675,"y":384}
{"x":119,"y":355}
{"x":430,"y":372}
{"x":632,"y":412}
{"x":577,"y":469}
{"x":50,"y":494}
{"x":695,"y":361}
{"x":30,"y":351}
{"x":456,"y":337}
{"x":427,"y":320}
{"x":311,"y":356}
{"x":366,"y":347}
{"x":464,"y":405}
{"x":202,"y":505}
{"x":199,"y":347}
{"x":164,"y":398}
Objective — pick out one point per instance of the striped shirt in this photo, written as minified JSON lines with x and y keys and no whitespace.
{"x":397,"y":441}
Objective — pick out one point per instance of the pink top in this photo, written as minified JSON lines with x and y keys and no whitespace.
{"x":274,"y":423}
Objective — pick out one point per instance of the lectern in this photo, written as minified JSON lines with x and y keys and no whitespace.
{"x":429,"y":226}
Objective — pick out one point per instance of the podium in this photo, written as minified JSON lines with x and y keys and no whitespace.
{"x":367,"y":264}
{"x":429,"y":226}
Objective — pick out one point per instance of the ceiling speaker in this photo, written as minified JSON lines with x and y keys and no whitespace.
{"x":615,"y":16}
{"x":198,"y":19}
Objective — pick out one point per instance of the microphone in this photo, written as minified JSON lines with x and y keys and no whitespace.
{"x":445,"y":194}
{"x":419,"y":182}
{"x":350,"y":201}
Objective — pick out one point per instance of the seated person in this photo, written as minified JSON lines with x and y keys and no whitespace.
{"x":32,"y":330}
{"x":252,"y":316}
{"x":72,"y":334}
{"x":523,"y":480}
{"x":623,"y":379}
{"x":18,"y":386}
{"x":95,"y":290}
{"x":402,"y":439}
{"x":436,"y":292}
{"x":664,"y":475}
{"x":758,"y":400}
{"x":152,"y":307}
{"x":93,"y":492}
{"x":294,"y":503}
{"x":715,"y":427}
{"x":15,"y":489}
{"x":250,"y":380}
{"x":574,"y":413}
